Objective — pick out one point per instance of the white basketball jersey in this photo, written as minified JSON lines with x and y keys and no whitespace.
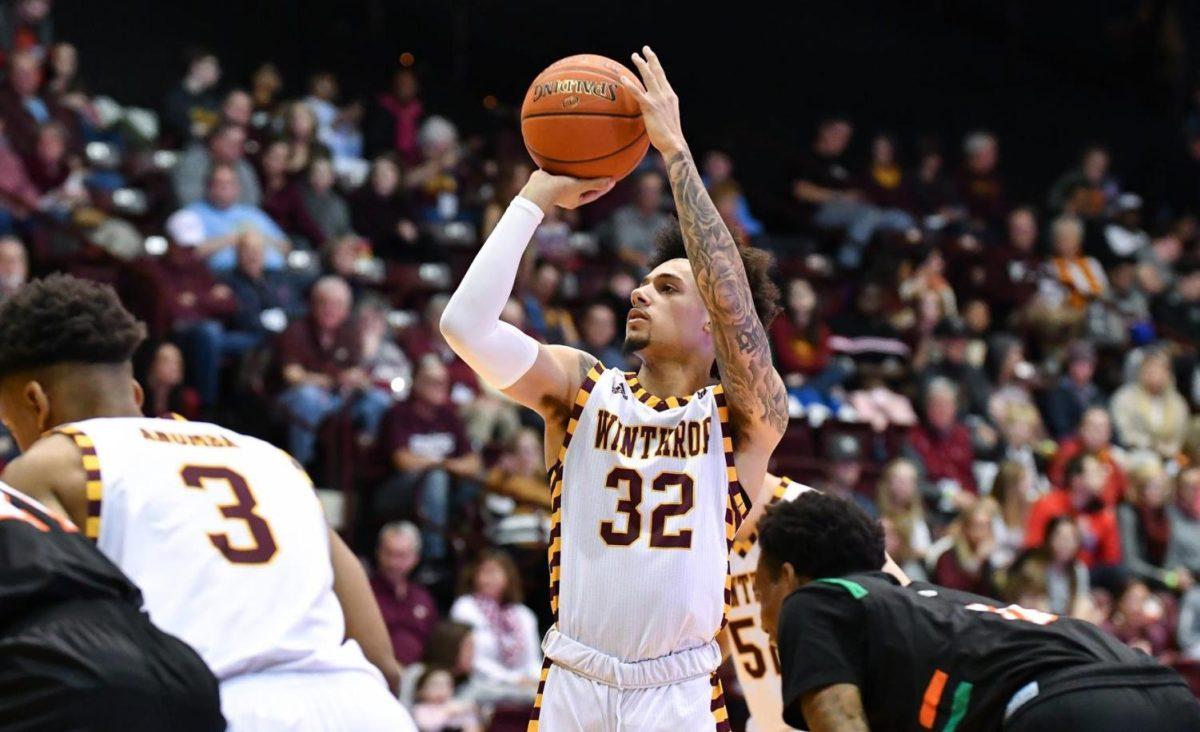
{"x":225,"y":537}
{"x":754,"y":658}
{"x":646,"y":502}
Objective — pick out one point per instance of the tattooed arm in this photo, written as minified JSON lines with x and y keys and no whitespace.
{"x":836,"y":708}
{"x":757,"y":398}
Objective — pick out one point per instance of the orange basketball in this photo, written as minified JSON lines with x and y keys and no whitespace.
{"x":578,"y":120}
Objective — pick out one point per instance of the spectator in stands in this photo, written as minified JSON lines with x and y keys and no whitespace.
{"x":508,"y":656}
{"x":1022,"y":440}
{"x":426,"y":443}
{"x":844,"y":472}
{"x":967,"y":564}
{"x":337,"y":127}
{"x":1066,"y":574}
{"x":25,"y":25}
{"x":25,"y":108}
{"x":1124,"y":237}
{"x":408,"y":609}
{"x":198,"y":305}
{"x":1081,"y":502}
{"x":1089,"y":187}
{"x":1183,"y":531}
{"x":950,"y":362}
{"x":1013,"y":490}
{"x":635,"y":226}
{"x":1008,"y":274}
{"x":265,"y":300}
{"x":397,"y":117}
{"x":1122,"y":318}
{"x":166,"y":392}
{"x":281,"y":196}
{"x":980,"y":185}
{"x":452,"y":646}
{"x":265,"y":85}
{"x":192,"y":108}
{"x":865,"y":335}
{"x":224,"y":219}
{"x":1139,"y":620}
{"x":1189,"y":625}
{"x":941,"y":446}
{"x":718,"y":177}
{"x":824,"y":187}
{"x":238,"y":108}
{"x":324,"y":204}
{"x":885,"y":184}
{"x":1071,"y":279}
{"x":14,"y":266}
{"x":319,"y":359}
{"x":520,"y":473}
{"x":379,"y":211}
{"x":598,"y":332}
{"x":931,"y":191}
{"x":1150,"y":414}
{"x":300,"y":132}
{"x":57,"y":176}
{"x":928,"y":275}
{"x":437,"y":182}
{"x":426,"y":337}
{"x":547,"y":319}
{"x":1094,"y":438}
{"x":1177,"y":312}
{"x":19,"y":197}
{"x":1012,"y":379}
{"x":509,"y":181}
{"x":1145,"y":527}
{"x":386,"y":364}
{"x":800,"y":340}
{"x":1075,"y":392}
{"x":437,"y":710}
{"x":225,"y":145}
{"x":899,"y":499}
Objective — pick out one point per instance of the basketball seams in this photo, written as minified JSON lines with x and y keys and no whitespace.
{"x":634,"y":115}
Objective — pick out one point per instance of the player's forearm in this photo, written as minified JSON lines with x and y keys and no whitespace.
{"x":364,"y":621}
{"x":471,"y":323}
{"x":743,"y":350}
{"x":836,"y":708}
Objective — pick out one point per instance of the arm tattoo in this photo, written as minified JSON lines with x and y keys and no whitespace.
{"x":743,"y":352}
{"x":835,"y":708}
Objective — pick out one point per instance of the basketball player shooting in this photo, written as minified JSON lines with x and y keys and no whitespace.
{"x":644,"y":468}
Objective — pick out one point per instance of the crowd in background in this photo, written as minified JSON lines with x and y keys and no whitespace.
{"x":1010,"y":386}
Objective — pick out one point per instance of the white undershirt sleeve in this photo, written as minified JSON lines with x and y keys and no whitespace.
{"x":497,"y":351}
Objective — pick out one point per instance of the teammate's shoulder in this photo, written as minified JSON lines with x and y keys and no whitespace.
{"x":790,"y":490}
{"x":53,"y":461}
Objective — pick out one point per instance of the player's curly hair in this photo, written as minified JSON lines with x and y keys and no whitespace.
{"x":758,"y":263}
{"x":821,"y":536}
{"x":62,"y":319}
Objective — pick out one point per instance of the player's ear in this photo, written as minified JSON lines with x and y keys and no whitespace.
{"x":787,"y":572}
{"x":139,"y":395}
{"x":39,"y":404}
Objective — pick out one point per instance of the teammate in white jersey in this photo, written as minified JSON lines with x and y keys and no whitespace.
{"x":222,"y":532}
{"x":755,"y":659}
{"x":644,"y":468}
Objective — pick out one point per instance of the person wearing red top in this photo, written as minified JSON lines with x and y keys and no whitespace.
{"x":800,"y":340}
{"x":942,"y":443}
{"x":397,"y":117}
{"x":1081,"y":501}
{"x":408,"y":609}
{"x":426,"y":444}
{"x":426,"y":337}
{"x":320,"y":361}
{"x":1094,"y":438}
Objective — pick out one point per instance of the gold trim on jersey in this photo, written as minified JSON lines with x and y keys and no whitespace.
{"x":719,"y":712}
{"x":738,"y":503}
{"x":657,"y":403}
{"x":94,"y":485}
{"x":554,"y":553}
{"x":537,"y":700}
{"x":743,"y":546}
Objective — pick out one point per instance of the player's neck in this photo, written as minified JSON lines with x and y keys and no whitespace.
{"x":673,"y":378}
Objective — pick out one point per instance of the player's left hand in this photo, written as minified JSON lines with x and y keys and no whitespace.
{"x":660,"y":106}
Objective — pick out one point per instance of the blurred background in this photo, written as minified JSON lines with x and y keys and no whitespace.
{"x":984,"y":218}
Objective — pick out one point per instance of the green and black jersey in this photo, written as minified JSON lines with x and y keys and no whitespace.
{"x":929,"y":658}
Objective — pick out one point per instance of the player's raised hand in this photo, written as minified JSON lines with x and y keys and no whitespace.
{"x":660,"y":106}
{"x":548,"y":191}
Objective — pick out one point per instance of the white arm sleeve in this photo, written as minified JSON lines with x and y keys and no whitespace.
{"x":471,"y":323}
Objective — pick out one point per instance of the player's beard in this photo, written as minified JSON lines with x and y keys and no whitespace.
{"x":634,"y":343}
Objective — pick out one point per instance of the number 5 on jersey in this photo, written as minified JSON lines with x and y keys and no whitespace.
{"x":263,"y":548}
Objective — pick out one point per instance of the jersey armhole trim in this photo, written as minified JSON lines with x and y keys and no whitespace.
{"x":739,"y":503}
{"x":94,"y":487}
{"x":581,"y":399}
{"x":856,"y":590}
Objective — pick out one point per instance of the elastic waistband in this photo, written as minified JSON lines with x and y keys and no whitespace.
{"x":1090,"y":676}
{"x":693,"y":663}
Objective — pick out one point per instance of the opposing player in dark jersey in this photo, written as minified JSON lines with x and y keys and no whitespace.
{"x":76,"y":651}
{"x":858,"y":651}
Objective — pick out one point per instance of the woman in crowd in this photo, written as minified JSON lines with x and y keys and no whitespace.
{"x":899,"y":500}
{"x":967,"y":564}
{"x":324,"y":204}
{"x":281,"y":195}
{"x":165,"y":391}
{"x":300,"y":132}
{"x":1150,"y":414}
{"x":380,"y":212}
{"x":1139,"y":619}
{"x":508,"y":655}
{"x":1145,"y":527}
{"x":1013,"y":490}
{"x":1068,"y":587}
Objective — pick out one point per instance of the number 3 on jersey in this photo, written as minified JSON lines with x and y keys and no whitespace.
{"x":264,"y":548}
{"x":628,"y":484}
